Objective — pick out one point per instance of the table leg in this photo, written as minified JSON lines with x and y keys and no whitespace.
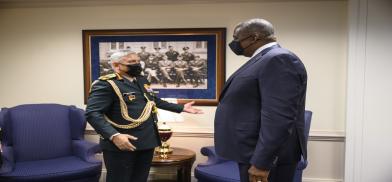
{"x":184,"y":172}
{"x":180,"y":174}
{"x":187,"y":172}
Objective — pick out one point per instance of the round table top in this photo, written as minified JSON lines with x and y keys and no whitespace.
{"x":179,"y":155}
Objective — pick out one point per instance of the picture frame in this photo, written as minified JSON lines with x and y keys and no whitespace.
{"x":183,"y":63}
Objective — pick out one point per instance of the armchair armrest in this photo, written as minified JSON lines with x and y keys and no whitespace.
{"x":7,"y":155}
{"x":302,"y":164}
{"x":86,"y":150}
{"x":213,"y":158}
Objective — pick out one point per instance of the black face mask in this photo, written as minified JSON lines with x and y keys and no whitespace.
{"x":235,"y":46}
{"x":134,"y":70}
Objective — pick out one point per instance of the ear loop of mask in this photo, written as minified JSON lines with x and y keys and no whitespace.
{"x":250,"y":43}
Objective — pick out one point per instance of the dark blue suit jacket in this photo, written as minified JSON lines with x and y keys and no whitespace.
{"x":260,"y":116}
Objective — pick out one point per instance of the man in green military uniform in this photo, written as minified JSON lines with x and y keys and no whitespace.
{"x":121,"y":108}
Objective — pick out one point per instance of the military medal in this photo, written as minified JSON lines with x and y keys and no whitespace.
{"x":131,"y":97}
{"x":148,"y":88}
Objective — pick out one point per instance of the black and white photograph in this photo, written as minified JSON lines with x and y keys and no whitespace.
{"x":177,"y":63}
{"x":168,"y":65}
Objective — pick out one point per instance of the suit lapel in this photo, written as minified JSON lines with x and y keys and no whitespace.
{"x":228,"y":82}
{"x":247,"y":64}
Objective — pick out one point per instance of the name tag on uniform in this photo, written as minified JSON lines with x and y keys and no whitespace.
{"x":131,"y":95}
{"x":148,"y":88}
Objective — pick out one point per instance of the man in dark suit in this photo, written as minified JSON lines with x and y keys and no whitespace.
{"x":259,"y":121}
{"x":122,"y":109}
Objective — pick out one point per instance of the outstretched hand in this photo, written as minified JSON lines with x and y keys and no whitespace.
{"x":188,"y":107}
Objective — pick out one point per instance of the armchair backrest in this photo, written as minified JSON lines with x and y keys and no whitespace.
{"x":41,"y":131}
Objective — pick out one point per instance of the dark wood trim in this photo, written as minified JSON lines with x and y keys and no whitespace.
{"x":86,"y":64}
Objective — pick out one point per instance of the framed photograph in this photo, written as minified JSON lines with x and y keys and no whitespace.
{"x":186,"y":64}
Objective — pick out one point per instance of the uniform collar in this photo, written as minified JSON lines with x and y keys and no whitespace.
{"x":130,"y":79}
{"x":119,"y":77}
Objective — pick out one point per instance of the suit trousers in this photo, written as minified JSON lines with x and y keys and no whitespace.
{"x":128,"y":166}
{"x":280,"y":173}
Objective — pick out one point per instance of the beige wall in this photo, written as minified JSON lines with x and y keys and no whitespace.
{"x":41,"y":52}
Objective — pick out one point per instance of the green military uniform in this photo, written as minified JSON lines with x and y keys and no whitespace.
{"x":104,"y":101}
{"x":105,"y":112}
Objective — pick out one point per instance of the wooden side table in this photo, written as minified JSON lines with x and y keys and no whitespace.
{"x":182,"y":159}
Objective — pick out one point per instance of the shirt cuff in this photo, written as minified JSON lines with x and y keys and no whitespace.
{"x":111,"y":137}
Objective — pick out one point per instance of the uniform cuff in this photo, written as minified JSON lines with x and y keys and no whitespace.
{"x":111,"y":137}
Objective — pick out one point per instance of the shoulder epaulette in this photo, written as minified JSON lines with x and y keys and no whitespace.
{"x":107,"y":77}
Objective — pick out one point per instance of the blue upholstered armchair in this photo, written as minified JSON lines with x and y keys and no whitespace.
{"x":217,"y":169}
{"x":44,"y":142}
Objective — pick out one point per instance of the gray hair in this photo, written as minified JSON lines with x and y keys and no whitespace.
{"x":116,"y":56}
{"x":260,"y":27}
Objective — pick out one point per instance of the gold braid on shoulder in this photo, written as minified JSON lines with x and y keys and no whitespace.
{"x":150,"y":107}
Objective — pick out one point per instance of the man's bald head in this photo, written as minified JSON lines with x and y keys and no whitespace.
{"x":260,"y":28}
{"x":250,"y":35}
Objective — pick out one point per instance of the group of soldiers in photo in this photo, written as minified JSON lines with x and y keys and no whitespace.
{"x":173,"y":68}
